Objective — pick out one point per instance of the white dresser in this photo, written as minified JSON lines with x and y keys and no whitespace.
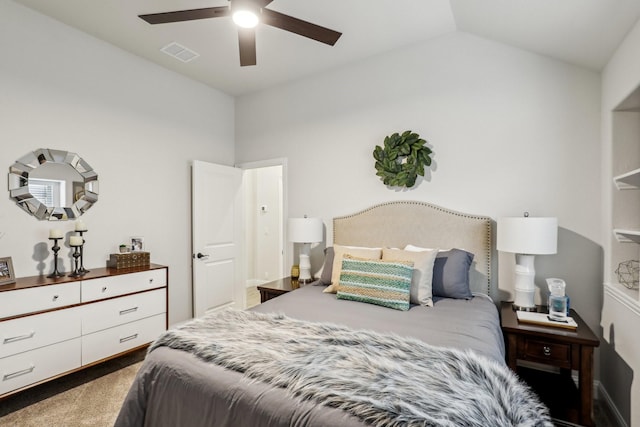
{"x":52,"y":327}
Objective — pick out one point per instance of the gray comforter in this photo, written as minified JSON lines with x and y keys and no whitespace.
{"x":176,"y":388}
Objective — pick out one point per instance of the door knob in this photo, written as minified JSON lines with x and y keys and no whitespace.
{"x":201,"y":255}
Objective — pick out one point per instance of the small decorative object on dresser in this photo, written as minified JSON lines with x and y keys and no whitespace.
{"x":76,"y":243}
{"x":137,"y":244}
{"x":81,"y":228}
{"x":6,"y":271}
{"x":129,"y":260}
{"x":55,"y":235}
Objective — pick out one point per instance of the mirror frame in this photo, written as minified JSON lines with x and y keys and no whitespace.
{"x":19,"y":184}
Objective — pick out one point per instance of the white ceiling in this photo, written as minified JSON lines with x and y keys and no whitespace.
{"x":582,"y":32}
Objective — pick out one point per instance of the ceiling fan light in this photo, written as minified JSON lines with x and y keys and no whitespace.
{"x":245,"y":18}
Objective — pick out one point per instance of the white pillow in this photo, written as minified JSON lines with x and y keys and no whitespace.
{"x":419,"y":249}
{"x":355,"y":251}
{"x":421,"y":282}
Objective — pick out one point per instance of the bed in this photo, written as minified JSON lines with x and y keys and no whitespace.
{"x":312,"y":358}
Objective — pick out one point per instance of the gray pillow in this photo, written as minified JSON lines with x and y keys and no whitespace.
{"x":327,"y":269}
{"x":451,"y":274}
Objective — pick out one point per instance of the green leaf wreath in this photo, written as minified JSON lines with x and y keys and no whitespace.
{"x":402,"y":159}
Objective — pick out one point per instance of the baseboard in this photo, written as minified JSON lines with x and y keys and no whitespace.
{"x":604,"y":397}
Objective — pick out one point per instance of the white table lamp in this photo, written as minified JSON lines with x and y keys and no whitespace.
{"x":306,"y":231}
{"x":527,"y":237}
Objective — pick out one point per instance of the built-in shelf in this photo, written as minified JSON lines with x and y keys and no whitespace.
{"x":628,"y":181}
{"x":627,"y":236}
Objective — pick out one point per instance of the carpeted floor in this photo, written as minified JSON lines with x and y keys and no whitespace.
{"x":87,"y":398}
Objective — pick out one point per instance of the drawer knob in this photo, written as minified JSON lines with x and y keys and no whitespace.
{"x":546,"y":350}
{"x":104,"y":289}
{"x":55,"y":297}
{"x":151,"y":280}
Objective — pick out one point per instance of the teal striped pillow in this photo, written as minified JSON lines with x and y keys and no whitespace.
{"x":385,"y":283}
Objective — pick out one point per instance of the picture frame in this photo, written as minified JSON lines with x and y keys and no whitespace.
{"x":7,"y":276}
{"x":137,"y":244}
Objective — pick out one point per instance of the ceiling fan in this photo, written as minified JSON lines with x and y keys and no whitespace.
{"x":247,"y":14}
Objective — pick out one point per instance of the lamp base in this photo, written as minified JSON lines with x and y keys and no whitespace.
{"x":523,"y":308}
{"x":525,"y":287}
{"x":305,"y":269}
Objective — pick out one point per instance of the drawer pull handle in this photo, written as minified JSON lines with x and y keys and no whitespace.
{"x":55,"y":297}
{"x":128,"y":310}
{"x":129,"y":338}
{"x":18,"y":373}
{"x":546,"y":350}
{"x":19,"y":338}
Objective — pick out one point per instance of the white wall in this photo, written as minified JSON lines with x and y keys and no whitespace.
{"x":511,"y":132}
{"x":505,"y":125}
{"x":137,"y":124}
{"x":620,"y":316}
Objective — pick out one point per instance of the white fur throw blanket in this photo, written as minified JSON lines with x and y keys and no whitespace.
{"x":383,"y":379}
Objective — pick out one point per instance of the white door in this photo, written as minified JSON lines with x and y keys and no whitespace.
{"x":217,"y":229}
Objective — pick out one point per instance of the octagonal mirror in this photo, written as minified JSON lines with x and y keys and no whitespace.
{"x":53,"y":184}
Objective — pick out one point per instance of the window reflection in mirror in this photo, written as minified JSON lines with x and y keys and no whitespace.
{"x":56,"y":184}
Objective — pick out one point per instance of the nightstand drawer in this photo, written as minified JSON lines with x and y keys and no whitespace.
{"x":552,"y":353}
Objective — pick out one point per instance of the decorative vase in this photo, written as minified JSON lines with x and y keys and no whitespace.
{"x":295,"y":272}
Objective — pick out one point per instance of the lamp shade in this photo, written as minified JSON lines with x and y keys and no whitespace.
{"x":305,"y":230}
{"x":527,"y":235}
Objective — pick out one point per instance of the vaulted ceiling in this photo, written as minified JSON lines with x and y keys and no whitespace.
{"x":582,"y":32}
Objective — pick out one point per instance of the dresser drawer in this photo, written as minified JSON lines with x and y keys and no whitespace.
{"x":36,"y":365}
{"x":29,"y":300}
{"x":548,"y":352}
{"x":112,"y":286}
{"x":106,"y":314}
{"x":103,"y":344}
{"x":39,"y":330}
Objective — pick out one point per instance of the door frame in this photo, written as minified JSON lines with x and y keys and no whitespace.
{"x":287,"y":256}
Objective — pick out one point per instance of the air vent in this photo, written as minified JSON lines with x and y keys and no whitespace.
{"x":180,"y":52}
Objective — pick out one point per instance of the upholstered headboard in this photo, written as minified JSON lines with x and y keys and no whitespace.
{"x":397,"y":224}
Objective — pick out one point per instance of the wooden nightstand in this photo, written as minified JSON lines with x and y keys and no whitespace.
{"x":276,"y":288}
{"x":561,"y":348}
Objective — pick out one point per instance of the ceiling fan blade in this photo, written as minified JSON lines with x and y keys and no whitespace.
{"x":247,"y":39}
{"x":300,"y":27}
{"x":185,"y":15}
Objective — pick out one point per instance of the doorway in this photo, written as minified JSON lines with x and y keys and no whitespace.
{"x":264,"y":206}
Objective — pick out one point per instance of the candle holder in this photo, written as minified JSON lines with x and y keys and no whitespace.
{"x":82,"y":270}
{"x":76,"y":262}
{"x":55,"y":249}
